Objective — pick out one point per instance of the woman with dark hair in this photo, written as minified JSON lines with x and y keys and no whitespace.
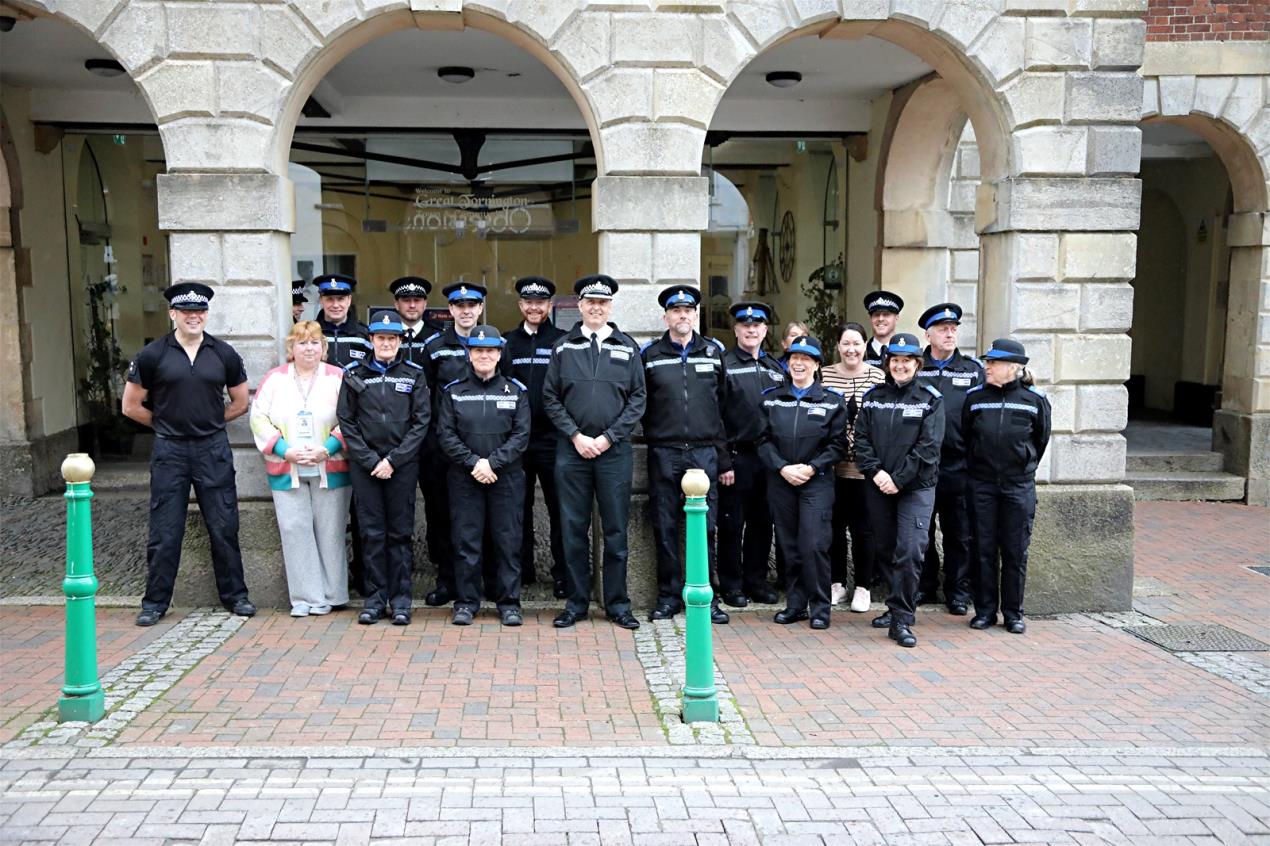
{"x":851,"y":377}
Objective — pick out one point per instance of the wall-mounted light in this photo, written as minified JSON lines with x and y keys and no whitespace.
{"x":456,"y":74}
{"x":784,"y":79}
{"x":103,"y":67}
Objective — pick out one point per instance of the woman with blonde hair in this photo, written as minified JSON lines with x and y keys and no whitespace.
{"x":293,"y":421}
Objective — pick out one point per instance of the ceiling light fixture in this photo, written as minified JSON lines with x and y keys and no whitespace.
{"x":784,"y":79}
{"x":103,"y":67}
{"x":456,"y":74}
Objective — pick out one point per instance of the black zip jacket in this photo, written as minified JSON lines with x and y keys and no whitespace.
{"x":900,"y":429}
{"x":413,"y":347}
{"x":747,"y":379}
{"x":873,"y":353}
{"x":1007,"y":430}
{"x":601,"y":397}
{"x":483,"y":419}
{"x":811,"y":430}
{"x":525,"y":357}
{"x":686,"y":393}
{"x":953,"y":380}
{"x":347,"y":342}
{"x":445,"y":359}
{"x":384,"y":413}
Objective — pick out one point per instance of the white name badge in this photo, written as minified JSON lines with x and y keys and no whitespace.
{"x":815,"y":412}
{"x":704,"y":368}
{"x":357,"y":353}
{"x":913,"y":412}
{"x":541,"y":351}
{"x":962,"y":382}
{"x":403,"y":387}
{"x":305,"y":429}
{"x":507,"y":404}
{"x":624,"y":355}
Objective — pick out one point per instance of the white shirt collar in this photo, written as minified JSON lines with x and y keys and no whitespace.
{"x":601,"y":334}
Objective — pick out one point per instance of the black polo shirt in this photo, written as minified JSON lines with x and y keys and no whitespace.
{"x":188,"y":400}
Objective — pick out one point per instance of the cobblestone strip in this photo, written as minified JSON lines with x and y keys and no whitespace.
{"x":660,"y":647}
{"x":138,"y":681}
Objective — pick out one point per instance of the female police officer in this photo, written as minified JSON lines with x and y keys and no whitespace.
{"x":804,"y":435}
{"x":1006,"y":424}
{"x":898,"y":435}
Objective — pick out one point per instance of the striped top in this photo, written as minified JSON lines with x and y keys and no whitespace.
{"x":852,"y":387}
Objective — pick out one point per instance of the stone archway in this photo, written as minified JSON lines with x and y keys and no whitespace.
{"x":17,"y":477}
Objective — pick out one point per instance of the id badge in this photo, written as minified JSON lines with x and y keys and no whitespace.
{"x":305,"y":430}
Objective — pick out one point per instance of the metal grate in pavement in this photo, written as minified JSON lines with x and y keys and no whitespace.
{"x":1198,"y":637}
{"x":1265,"y":571}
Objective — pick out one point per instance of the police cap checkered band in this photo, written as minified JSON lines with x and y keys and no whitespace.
{"x":883,"y":301}
{"x":535,"y":288}
{"x":598,"y":287}
{"x":188,"y":296}
{"x":410,"y":286}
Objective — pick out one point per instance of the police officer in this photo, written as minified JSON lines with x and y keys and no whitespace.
{"x":594,"y":394}
{"x":184,"y":377}
{"x":410,"y":296}
{"x":384,"y":411}
{"x":445,"y":359}
{"x":298,"y":300}
{"x":526,"y":357}
{"x":745,"y":523}
{"x":483,"y":427}
{"x":1006,"y":423}
{"x":952,"y":374}
{"x":884,"y":310}
{"x":804,"y":435}
{"x":683,"y":424}
{"x":898,"y":434}
{"x":346,"y":338}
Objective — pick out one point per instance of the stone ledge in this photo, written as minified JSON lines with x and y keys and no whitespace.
{"x":1206,"y":58}
{"x":197,"y":202}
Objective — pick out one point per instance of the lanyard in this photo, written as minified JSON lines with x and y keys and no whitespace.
{"x":304,"y":394}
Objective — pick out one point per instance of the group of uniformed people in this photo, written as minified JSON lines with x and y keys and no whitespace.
{"x":474,"y":418}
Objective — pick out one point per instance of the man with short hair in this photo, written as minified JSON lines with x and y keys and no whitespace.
{"x":184,"y":377}
{"x":884,"y":310}
{"x":410,"y":296}
{"x":346,"y":339}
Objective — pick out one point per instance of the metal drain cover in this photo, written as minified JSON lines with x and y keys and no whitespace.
{"x":1198,"y":637}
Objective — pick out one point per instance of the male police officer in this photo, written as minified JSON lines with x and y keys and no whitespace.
{"x":952,"y":374}
{"x":683,"y":424}
{"x":483,"y":427}
{"x":445,"y":359}
{"x":594,"y":394}
{"x":298,"y":300}
{"x":745,"y":522}
{"x":884,"y":313}
{"x":184,"y":375}
{"x":384,"y":411}
{"x":526,"y":358}
{"x":410,"y":296}
{"x":346,"y":339}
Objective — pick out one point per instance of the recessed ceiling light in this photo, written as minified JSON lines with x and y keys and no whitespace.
{"x":784,"y":79}
{"x":103,"y":67}
{"x":456,"y":74}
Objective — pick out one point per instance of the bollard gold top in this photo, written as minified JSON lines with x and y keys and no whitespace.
{"x":695,"y":483}
{"x":78,"y":467}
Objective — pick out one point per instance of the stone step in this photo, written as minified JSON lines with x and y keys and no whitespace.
{"x":1186,"y":486}
{"x":1174,"y":462}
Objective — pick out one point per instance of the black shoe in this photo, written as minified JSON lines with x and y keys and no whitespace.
{"x":439,"y":596}
{"x":566,"y":618}
{"x":902,"y":634}
{"x":718,"y":616}
{"x":982,"y":623}
{"x":243,"y":608}
{"x":369,"y":616}
{"x":882,"y":622}
{"x":462,"y":617}
{"x":1015,"y":626}
{"x":511,"y":617}
{"x":401,"y":618}
{"x":819,"y":622}
{"x":560,"y":590}
{"x":148,"y":617}
{"x":764,"y":594}
{"x":926,"y":599}
{"x":736,"y":599}
{"x":664,"y":611}
{"x":625,"y":620}
{"x":789,"y":615}
{"x":957,"y":609}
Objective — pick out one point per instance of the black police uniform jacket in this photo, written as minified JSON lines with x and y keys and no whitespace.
{"x":601,"y":397}
{"x":384,"y":413}
{"x":900,"y":429}
{"x":525,"y":358}
{"x":953,"y":380}
{"x":1007,"y":429}
{"x":687,"y":390}
{"x":873,"y":352}
{"x":346,"y":342}
{"x":479,"y":418}
{"x":747,"y":379}
{"x":807,"y":430}
{"x":445,"y":358}
{"x":414,"y":346}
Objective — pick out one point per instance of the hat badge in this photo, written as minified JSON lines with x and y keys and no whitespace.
{"x":749,"y":311}
{"x":481,"y":335}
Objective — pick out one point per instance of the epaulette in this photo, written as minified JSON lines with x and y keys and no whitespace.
{"x":773,"y":388}
{"x":351,"y":365}
{"x":432,"y":337}
{"x":645,"y":346}
{"x":717,"y":343}
{"x":1034,"y":390}
{"x":519,"y":384}
{"x":933,"y":391}
{"x":871,"y":390}
{"x":410,"y":363}
{"x":976,"y":388}
{"x":447,"y":385}
{"x":835,"y":391}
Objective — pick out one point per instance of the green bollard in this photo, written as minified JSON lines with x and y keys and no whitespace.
{"x":82,"y":699}
{"x":701,"y":701}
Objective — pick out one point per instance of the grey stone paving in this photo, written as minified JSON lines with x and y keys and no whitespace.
{"x":737,"y":796}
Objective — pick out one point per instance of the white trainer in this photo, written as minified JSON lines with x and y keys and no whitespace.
{"x":319,"y":609}
{"x":300,"y":609}
{"x":837,"y":593}
{"x":861,"y":600}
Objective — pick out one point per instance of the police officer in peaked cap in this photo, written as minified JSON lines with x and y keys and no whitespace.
{"x":346,"y":338}
{"x":884,"y":309}
{"x":410,"y":297}
{"x":298,"y":299}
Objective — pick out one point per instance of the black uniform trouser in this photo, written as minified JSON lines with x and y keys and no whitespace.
{"x":952,"y":508}
{"x":485,"y":522}
{"x":356,"y":567}
{"x":433,"y":471}
{"x":851,"y":516}
{"x":1002,"y":514}
{"x":207,"y":464}
{"x":386,"y":517}
{"x":540,"y":465}
{"x":745,"y":527}
{"x":802,"y":517}
{"x":605,"y":482}
{"x":902,"y":527}
{"x":666,"y":468}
